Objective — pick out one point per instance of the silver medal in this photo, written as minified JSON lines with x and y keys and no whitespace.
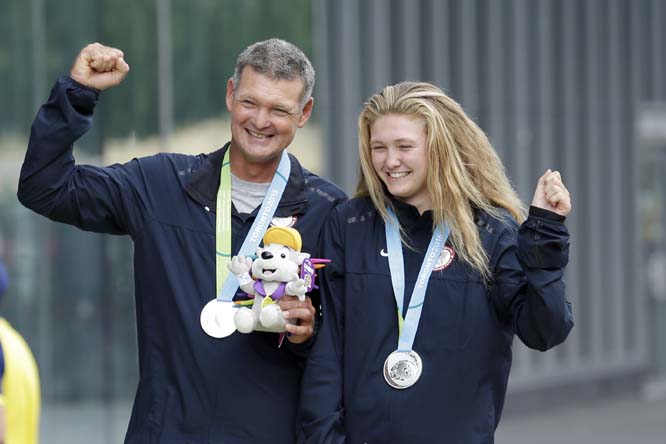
{"x":402,"y":369}
{"x":217,"y":318}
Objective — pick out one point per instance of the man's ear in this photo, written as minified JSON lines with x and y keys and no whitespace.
{"x":306,"y":112}
{"x":229,"y":98}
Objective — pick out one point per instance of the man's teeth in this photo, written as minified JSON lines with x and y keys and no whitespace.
{"x":398,"y":175}
{"x":257,"y":135}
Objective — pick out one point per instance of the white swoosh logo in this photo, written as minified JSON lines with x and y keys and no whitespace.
{"x":383,"y":253}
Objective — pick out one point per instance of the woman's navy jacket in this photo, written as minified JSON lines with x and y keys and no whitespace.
{"x":192,"y":388}
{"x":464,"y":336}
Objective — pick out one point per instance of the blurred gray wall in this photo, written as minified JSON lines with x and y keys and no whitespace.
{"x":554,"y":83}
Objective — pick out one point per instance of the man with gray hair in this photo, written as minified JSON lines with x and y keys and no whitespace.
{"x":278,"y":59}
{"x":187,"y":215}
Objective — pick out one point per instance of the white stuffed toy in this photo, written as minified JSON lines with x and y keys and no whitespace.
{"x":275,"y":273}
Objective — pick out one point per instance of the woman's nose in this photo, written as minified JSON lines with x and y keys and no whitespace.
{"x":393,"y":158}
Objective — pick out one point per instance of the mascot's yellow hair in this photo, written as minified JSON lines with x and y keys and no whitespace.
{"x":287,"y":236}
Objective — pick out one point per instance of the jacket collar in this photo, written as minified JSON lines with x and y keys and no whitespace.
{"x":408,"y":215}
{"x":206,"y":180}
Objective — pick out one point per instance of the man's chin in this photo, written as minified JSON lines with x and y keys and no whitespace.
{"x":263,"y":157}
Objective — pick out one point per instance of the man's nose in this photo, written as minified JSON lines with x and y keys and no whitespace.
{"x":261,"y":118}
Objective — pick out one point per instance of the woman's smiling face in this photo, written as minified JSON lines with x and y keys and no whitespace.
{"x":398,"y":153}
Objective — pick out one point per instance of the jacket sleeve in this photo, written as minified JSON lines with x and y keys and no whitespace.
{"x":51,"y":184}
{"x":528,"y":288}
{"x":321,"y":413}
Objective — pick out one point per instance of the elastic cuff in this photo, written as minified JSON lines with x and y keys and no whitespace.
{"x":81,"y":85}
{"x":546,"y":214}
{"x":82,"y":98}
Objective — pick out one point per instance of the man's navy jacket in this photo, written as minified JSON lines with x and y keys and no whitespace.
{"x":464,"y":336}
{"x":192,"y":388}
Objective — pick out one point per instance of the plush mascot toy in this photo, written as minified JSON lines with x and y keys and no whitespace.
{"x":279,"y":269}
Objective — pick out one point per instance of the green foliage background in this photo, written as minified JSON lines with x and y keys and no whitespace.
{"x":40,"y":38}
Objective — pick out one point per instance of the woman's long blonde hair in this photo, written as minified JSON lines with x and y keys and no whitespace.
{"x":464,"y":171}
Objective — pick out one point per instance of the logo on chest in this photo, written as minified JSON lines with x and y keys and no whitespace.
{"x":284,"y":222}
{"x":445,"y":259}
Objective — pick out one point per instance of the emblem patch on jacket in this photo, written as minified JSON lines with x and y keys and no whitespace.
{"x":445,"y":259}
{"x":284,"y":222}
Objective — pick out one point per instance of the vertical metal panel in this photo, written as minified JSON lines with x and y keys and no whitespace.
{"x":616,"y":261}
{"x":408,"y":59}
{"x":164,"y":72}
{"x":544,"y":142}
{"x":349,"y":80}
{"x":658,"y":15}
{"x":467,"y":60}
{"x":495,"y":76}
{"x":379,"y":50}
{"x":38,"y":16}
{"x":638,"y":74}
{"x":17,"y":48}
{"x":438,"y":58}
{"x":555,"y":84}
{"x":519,"y":96}
{"x":340,"y":47}
{"x":324,"y":89}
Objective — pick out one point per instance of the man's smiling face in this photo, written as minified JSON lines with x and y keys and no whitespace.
{"x":265,"y":114}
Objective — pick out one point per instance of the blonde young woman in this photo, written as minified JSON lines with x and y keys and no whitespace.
{"x":431,"y":277}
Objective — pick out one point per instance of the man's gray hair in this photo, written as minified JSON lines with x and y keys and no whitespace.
{"x":278,"y":60}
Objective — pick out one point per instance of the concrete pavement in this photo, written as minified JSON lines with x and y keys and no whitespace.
{"x":626,"y":419}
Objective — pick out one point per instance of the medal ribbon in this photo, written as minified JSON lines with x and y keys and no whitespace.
{"x":407,"y":328}
{"x":226,"y":283}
